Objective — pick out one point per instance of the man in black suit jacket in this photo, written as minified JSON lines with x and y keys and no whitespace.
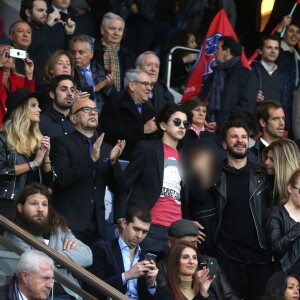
{"x":122,"y":264}
{"x":129,"y":117}
{"x":84,"y":167}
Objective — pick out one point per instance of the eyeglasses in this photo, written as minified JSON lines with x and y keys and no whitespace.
{"x":150,"y":64}
{"x":296,"y":188}
{"x":177,"y":122}
{"x":86,"y":109}
{"x":145,"y":83}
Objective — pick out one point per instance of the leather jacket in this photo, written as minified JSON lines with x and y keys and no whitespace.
{"x":10,"y":184}
{"x":259,"y":200}
{"x":283,"y":234}
{"x":220,"y":284}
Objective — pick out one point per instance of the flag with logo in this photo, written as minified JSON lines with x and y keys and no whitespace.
{"x":219,"y":26}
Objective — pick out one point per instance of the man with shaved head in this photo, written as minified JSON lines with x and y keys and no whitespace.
{"x":84,"y":166}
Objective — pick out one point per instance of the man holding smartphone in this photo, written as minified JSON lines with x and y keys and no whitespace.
{"x":122,"y":264}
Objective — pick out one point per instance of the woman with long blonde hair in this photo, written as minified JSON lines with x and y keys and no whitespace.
{"x":281,"y":158}
{"x":24,"y":152}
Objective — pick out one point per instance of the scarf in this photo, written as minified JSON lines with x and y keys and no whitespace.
{"x":217,"y":88}
{"x":111,"y":62}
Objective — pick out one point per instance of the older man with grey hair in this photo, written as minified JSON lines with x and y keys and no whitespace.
{"x":113,"y":56}
{"x":89,"y":75}
{"x":160,"y":95}
{"x":129,"y":117}
{"x":33,"y":278}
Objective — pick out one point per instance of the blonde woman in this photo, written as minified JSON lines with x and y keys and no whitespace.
{"x":283,"y":227}
{"x":24,"y":152}
{"x":281,"y":159}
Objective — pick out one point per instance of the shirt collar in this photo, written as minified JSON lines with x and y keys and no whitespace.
{"x":264,"y":142}
{"x":267,"y":67}
{"x":285,"y":47}
{"x":55,"y":8}
{"x":123,"y":246}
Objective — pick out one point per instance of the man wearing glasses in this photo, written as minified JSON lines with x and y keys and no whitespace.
{"x":129,"y":117}
{"x":153,"y":178}
{"x":84,"y":166}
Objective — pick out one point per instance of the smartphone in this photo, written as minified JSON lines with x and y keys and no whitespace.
{"x":17,"y":53}
{"x":212,"y":266}
{"x":63,"y":16}
{"x":150,"y":256}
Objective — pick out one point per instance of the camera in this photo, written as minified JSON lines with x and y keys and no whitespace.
{"x":17,"y":53}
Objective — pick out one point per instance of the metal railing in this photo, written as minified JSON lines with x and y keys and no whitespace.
{"x":76,"y":270}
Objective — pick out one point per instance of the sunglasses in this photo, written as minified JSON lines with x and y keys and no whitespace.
{"x":86,"y":109}
{"x":296,"y":188}
{"x":177,"y":122}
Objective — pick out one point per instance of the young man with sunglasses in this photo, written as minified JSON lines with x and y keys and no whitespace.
{"x":153,"y":178}
{"x":84,"y":166}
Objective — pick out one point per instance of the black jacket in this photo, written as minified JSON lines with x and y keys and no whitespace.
{"x":9,"y":292}
{"x":257,"y":150}
{"x":10,"y":184}
{"x":259,"y":200}
{"x":283,"y":235}
{"x":220,"y":284}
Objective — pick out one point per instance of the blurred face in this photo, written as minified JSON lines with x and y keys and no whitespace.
{"x":35,"y":208}
{"x":269,"y":163}
{"x":292,"y":35}
{"x":274,"y":127}
{"x":9,"y":63}
{"x":199,"y":115}
{"x":82,"y":120}
{"x":292,"y":290}
{"x":38,"y":14}
{"x":191,"y":42}
{"x":237,"y":142}
{"x":63,"y":97}
{"x":38,"y":284}
{"x":34,"y":110}
{"x":294,"y":195}
{"x":133,"y":233}
{"x":190,"y":240}
{"x":61,"y":4}
{"x":62,"y":66}
{"x":221,"y":54}
{"x":140,"y":89}
{"x":113,"y":33}
{"x":270,"y":51}
{"x":82,"y":56}
{"x":188,"y":262}
{"x":151,"y":66}
{"x":171,"y":131}
{"x":21,"y":37}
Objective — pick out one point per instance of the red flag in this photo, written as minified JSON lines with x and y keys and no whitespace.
{"x":298,"y":1}
{"x":219,"y":26}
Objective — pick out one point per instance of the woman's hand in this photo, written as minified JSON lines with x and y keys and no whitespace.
{"x":45,"y":143}
{"x":202,"y":282}
{"x":29,"y":67}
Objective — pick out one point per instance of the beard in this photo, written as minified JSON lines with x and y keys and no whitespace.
{"x":35,"y":227}
{"x":236,"y":155}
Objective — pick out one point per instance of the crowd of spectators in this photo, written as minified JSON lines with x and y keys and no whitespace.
{"x":86,"y":114}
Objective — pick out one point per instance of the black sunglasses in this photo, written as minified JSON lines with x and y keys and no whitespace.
{"x":177,"y":122}
{"x":86,"y":109}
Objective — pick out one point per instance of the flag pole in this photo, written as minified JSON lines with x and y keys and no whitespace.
{"x":291,"y":13}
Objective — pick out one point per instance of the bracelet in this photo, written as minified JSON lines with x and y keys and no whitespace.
{"x":153,"y":285}
{"x":33,"y":166}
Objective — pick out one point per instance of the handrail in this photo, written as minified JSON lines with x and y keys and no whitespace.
{"x":78,"y":271}
{"x":59,"y":278}
{"x":169,"y":61}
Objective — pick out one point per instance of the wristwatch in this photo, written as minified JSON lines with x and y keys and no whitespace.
{"x":153,"y":285}
{"x":33,"y":166}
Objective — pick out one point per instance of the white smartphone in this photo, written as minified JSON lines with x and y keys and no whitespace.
{"x":17,"y":53}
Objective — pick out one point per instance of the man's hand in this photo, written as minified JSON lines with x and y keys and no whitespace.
{"x":4,"y":54}
{"x":152,"y":272}
{"x":69,"y":244}
{"x":211,"y":127}
{"x":53,"y":18}
{"x":260,"y":96}
{"x":202,"y":282}
{"x":110,"y":78}
{"x":29,"y":67}
{"x":286,"y":21}
{"x":150,"y":126}
{"x":96,"y":148}
{"x":116,"y":151}
{"x":70,"y":27}
{"x":138,"y":270}
{"x":81,"y":95}
{"x":190,"y":58}
{"x":202,"y":235}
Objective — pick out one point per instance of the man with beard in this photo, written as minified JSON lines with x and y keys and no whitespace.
{"x":55,"y":121}
{"x":33,"y":212}
{"x":242,"y":198}
{"x":49,"y":33}
{"x":271,"y":118}
{"x":85,"y":167}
